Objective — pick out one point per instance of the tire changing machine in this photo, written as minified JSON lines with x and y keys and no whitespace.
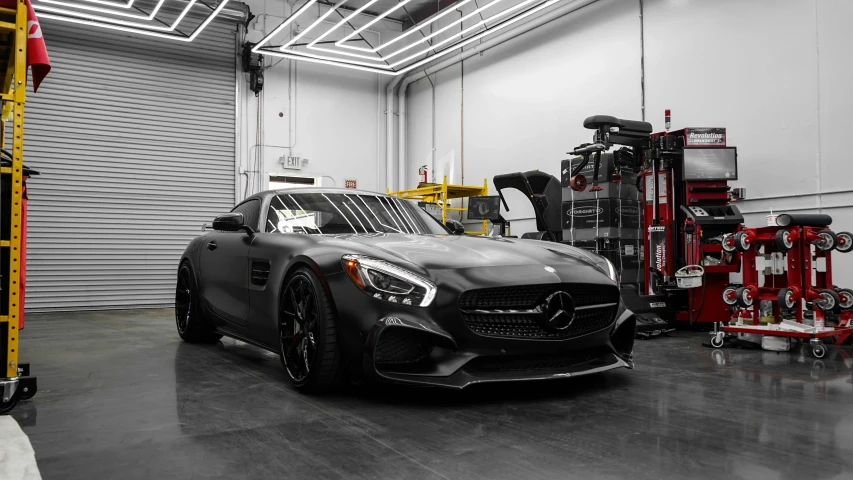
{"x":15,"y":381}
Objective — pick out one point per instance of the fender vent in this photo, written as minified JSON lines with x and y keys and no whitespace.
{"x":260,"y":273}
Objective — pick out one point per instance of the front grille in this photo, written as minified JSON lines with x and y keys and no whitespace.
{"x":532,"y":363}
{"x":526,"y":326}
{"x":399,"y":346}
{"x":499,"y":312}
{"x":528,"y":296}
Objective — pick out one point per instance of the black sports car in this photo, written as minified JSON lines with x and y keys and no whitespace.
{"x":345,"y":282}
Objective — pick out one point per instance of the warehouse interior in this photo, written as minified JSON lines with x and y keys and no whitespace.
{"x":523,"y":149}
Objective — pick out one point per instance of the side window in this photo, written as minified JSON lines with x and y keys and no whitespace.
{"x":251,"y":211}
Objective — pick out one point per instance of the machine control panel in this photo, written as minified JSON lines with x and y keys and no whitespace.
{"x":713,"y":214}
{"x":698,"y":211}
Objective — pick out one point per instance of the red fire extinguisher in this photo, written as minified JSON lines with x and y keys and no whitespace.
{"x":423,"y":171}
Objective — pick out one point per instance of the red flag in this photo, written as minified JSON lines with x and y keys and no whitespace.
{"x":37,"y":58}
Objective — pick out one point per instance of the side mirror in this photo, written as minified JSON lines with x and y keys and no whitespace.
{"x":456,"y":227}
{"x":231,"y":222}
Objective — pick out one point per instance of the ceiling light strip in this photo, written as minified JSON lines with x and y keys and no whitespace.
{"x":343,"y":21}
{"x":434,"y":46}
{"x":133,"y":14}
{"x":153,"y":33}
{"x":473,"y":38}
{"x":284,"y":24}
{"x":370,"y":24}
{"x":432,"y":35}
{"x":412,"y":30}
{"x":112,"y":4}
{"x":96,"y":18}
{"x":320,"y":20}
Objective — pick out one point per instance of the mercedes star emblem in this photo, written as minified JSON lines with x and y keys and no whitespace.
{"x":558,"y":312}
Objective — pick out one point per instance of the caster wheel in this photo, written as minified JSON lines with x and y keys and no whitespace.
{"x":827,"y":301}
{"x":742,"y":242}
{"x":6,"y":407}
{"x":728,"y":243}
{"x":818,"y":350}
{"x":743,"y":297}
{"x":828,"y":240}
{"x":845,"y":296}
{"x":717,"y":340}
{"x":578,"y":183}
{"x":786,"y":299}
{"x":783,"y":241}
{"x":730,"y":295}
{"x":845,"y":242}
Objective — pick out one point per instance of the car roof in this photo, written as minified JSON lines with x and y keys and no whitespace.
{"x":349,"y":191}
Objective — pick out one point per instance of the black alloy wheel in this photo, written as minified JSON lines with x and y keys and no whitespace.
{"x":192,"y":325}
{"x":307,"y":334}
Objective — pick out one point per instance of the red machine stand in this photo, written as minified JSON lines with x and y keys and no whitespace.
{"x":788,"y":283}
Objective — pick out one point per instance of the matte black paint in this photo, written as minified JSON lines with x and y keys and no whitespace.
{"x":454,"y":263}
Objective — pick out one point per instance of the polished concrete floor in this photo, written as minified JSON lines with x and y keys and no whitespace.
{"x":122,"y":397}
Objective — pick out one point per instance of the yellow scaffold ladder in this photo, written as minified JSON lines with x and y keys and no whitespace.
{"x":13,"y":57}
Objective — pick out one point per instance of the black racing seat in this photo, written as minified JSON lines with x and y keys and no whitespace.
{"x":631,"y":132}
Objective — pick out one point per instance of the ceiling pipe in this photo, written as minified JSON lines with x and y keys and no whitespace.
{"x":465,"y":54}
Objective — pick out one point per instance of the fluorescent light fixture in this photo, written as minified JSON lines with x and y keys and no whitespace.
{"x":159,"y":28}
{"x":112,"y":4}
{"x":425,"y":50}
{"x":388,"y":70}
{"x":132,"y":27}
{"x":111,"y":11}
{"x":425,"y":38}
{"x":311,"y":27}
{"x":343,"y":42}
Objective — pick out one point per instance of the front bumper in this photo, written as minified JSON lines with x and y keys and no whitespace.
{"x":441,"y":362}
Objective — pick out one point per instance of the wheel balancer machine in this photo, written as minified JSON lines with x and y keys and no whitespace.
{"x":687,"y":213}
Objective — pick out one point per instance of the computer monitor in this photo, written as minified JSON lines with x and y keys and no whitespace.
{"x":710,"y":164}
{"x":484,"y":208}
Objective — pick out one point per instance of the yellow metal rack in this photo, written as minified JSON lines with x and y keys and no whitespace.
{"x":442,"y":193}
{"x":13,"y":72}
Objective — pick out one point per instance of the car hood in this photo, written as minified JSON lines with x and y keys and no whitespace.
{"x":433,"y":252}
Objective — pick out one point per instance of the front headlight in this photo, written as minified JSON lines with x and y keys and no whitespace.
{"x":385,"y":281}
{"x":611,"y":272}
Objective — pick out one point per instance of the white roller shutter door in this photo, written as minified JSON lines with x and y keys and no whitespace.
{"x":135,"y":138}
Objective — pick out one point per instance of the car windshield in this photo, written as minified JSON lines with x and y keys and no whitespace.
{"x":342,"y":213}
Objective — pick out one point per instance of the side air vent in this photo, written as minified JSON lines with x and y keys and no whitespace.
{"x":260,"y":273}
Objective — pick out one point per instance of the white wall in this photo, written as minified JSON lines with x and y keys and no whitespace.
{"x":524,"y":101}
{"x":337,"y":123}
{"x":775,"y":73}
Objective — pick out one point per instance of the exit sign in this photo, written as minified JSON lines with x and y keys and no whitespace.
{"x":350,"y":184}
{"x":293,"y":163}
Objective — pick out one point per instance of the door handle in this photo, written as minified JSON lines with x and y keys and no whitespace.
{"x":211,"y":246}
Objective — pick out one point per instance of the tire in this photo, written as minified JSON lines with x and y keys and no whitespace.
{"x":828,"y":240}
{"x":828,"y":301}
{"x":845,"y":296}
{"x":819,"y":350}
{"x":313,"y":361}
{"x":845,"y":242}
{"x":744,"y":297}
{"x":785,"y":299}
{"x":730,"y":295}
{"x":193,"y":326}
{"x":783,"y":241}
{"x":742,"y":243}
